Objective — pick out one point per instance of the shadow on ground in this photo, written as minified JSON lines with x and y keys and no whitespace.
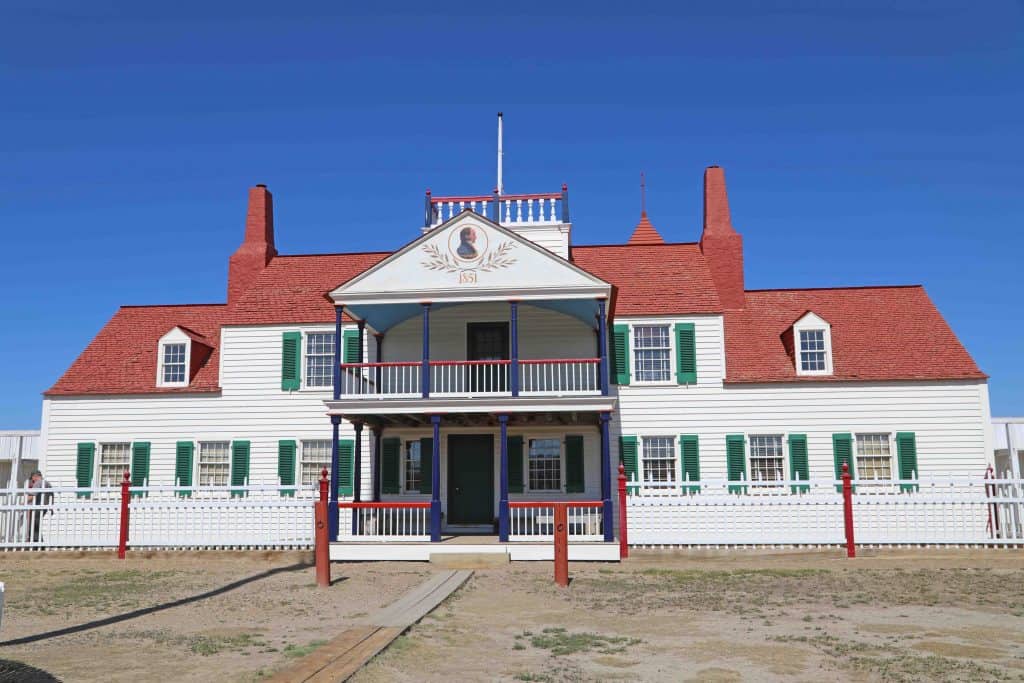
{"x":16,"y":672}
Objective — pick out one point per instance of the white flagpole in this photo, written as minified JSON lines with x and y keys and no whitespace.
{"x":501,"y":185}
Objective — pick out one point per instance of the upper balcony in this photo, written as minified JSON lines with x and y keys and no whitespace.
{"x":512,"y":210}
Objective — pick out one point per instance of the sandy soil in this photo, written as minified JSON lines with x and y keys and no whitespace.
{"x":754,"y":616}
{"x":180,"y":617}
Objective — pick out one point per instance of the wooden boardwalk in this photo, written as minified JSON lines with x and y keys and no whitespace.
{"x":354,"y":647}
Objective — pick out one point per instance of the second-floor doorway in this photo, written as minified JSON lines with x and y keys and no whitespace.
{"x":487,"y":341}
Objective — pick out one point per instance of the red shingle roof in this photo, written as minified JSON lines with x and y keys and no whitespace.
{"x":878,"y":333}
{"x":645,"y":232}
{"x":122,"y":358}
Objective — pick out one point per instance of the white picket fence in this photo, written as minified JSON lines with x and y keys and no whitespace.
{"x":159,"y":517}
{"x":536,"y":523}
{"x":933,"y":511}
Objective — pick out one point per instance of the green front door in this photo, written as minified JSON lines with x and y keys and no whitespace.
{"x":470,"y":479}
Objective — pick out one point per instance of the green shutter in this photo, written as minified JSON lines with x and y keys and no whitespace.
{"x":427,"y":464}
{"x":842,"y":452}
{"x":515,"y":464}
{"x":620,"y":354}
{"x":574,"y":482}
{"x":906,"y":454}
{"x":83,"y":468}
{"x":798,"y":466}
{"x":690,"y":454}
{"x":629,"y":459}
{"x":736,"y":461}
{"x":686,"y":354}
{"x":351,"y":351}
{"x":390,"y":465}
{"x":183,"y":465}
{"x":291,"y":343}
{"x":140,"y":464}
{"x":346,"y":466}
{"x":239,"y":466}
{"x":286,"y":466}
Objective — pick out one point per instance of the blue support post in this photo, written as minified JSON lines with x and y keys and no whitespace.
{"x":496,"y":208}
{"x":425,"y":368}
{"x":602,"y":343}
{"x":357,"y":469}
{"x":606,"y":479}
{"x":428,"y":212}
{"x":379,"y":337}
{"x":514,"y":334}
{"x":332,"y":508}
{"x":565,"y":203}
{"x":503,"y":500}
{"x":338,"y":310}
{"x":377,"y":433}
{"x":435,"y":482}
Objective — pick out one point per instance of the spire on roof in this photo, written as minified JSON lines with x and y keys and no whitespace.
{"x":645,"y":232}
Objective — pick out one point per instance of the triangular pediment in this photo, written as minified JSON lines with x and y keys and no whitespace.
{"x":470,"y":258}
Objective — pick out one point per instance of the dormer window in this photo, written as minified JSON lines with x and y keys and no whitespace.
{"x":812,"y":345}
{"x":174,"y":366}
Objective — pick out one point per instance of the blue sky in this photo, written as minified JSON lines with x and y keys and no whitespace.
{"x":862,"y":144}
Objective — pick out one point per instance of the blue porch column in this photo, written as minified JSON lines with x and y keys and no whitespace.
{"x":379,"y":338}
{"x":503,"y":499}
{"x":332,"y":507}
{"x":602,"y":343}
{"x":357,"y":470}
{"x":425,"y":368}
{"x":606,"y":479}
{"x":513,"y":312}
{"x":336,"y":374}
{"x":435,"y":482}
{"x":377,"y":433}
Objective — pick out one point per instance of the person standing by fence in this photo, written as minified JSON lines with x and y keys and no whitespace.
{"x":42,"y":499}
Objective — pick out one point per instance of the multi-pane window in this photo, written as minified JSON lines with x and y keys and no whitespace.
{"x":413,"y":466}
{"x":114,"y":460}
{"x":812,"y":351}
{"x":651,"y":353}
{"x":314,"y":459}
{"x":874,"y":456}
{"x":214,"y":463}
{"x":766,"y":462}
{"x":545,"y":464}
{"x":320,"y":359}
{"x":659,"y":459}
{"x":174,"y":364}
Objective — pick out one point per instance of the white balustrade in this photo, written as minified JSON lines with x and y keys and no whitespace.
{"x":394,"y":380}
{"x":385,"y":522}
{"x":469,"y":378}
{"x":535,"y":522}
{"x":553,"y":377}
{"x":512,"y":210}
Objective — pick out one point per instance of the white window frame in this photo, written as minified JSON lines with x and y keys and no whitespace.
{"x":300,"y":460}
{"x":893,"y":467}
{"x":402,"y":468}
{"x":812,"y":323}
{"x":675,"y":460}
{"x":783,"y":456}
{"x":175,"y":336}
{"x":198,"y":460}
{"x":527,"y":438}
{"x":99,"y":461}
{"x":634,"y":373}
{"x":304,"y":355}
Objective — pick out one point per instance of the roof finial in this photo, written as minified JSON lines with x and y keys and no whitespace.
{"x":643,"y":195}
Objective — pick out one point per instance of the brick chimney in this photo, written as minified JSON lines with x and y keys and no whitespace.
{"x":721,"y":245}
{"x":257,"y":248}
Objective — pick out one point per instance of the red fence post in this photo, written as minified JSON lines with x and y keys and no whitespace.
{"x":321,"y":544}
{"x":561,"y":544}
{"x":851,"y":549}
{"x":623,"y":536}
{"x":122,"y":540}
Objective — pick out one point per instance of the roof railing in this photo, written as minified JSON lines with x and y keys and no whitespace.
{"x":547,"y":208}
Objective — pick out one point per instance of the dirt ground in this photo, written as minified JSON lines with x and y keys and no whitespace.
{"x":754,"y":616}
{"x":178,"y":617}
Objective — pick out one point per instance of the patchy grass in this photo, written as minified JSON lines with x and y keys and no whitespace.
{"x":291,"y":650}
{"x":561,"y":642}
{"x":91,"y":589}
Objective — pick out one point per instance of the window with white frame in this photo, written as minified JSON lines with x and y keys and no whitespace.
{"x":214,"y":463}
{"x":545,"y":458}
{"x":874,"y":456}
{"x":766,"y":460}
{"x":173,"y":369}
{"x":413,"y":467}
{"x":659,"y":459}
{"x":812,"y":351}
{"x":652,"y":353}
{"x":319,"y":359}
{"x":115,"y":458}
{"x":314,"y":459}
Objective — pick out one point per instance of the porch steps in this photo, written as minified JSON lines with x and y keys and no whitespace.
{"x":470,"y":560}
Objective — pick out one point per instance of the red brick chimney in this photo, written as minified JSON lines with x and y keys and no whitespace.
{"x":721,"y":245}
{"x":257,"y":248}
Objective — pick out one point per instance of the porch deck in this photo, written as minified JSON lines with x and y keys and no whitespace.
{"x":420,"y":551}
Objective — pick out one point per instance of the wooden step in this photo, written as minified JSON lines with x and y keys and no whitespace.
{"x":469,"y":560}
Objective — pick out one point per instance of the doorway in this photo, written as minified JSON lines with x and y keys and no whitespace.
{"x":487,"y":341}
{"x":470,"y":479}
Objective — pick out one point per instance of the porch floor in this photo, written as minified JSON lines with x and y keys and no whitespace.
{"x":420,"y":551}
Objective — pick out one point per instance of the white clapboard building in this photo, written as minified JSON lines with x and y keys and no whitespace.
{"x":497,"y":359}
